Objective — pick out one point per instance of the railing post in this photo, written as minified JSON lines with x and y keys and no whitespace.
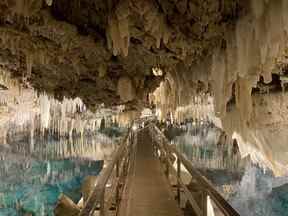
{"x":167,"y":167}
{"x":155,"y":144}
{"x":206,"y":187}
{"x":102,"y":203}
{"x":178,"y":180}
{"x":126,"y":161}
{"x":204,"y":200}
{"x":118,"y":183}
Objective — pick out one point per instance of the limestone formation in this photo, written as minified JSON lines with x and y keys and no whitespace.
{"x":126,"y":89}
{"x":83,"y":48}
{"x":169,"y":53}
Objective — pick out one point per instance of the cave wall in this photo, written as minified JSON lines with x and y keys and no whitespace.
{"x":82,"y":48}
{"x":106,"y":52}
{"x":239,"y":76}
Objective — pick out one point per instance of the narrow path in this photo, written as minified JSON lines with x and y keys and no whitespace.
{"x":149,"y":191}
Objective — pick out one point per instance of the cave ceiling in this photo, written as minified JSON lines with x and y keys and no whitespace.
{"x":88,"y":49}
{"x":162,"y":52}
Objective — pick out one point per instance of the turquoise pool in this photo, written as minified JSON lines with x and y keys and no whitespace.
{"x":254,"y":192}
{"x":34,"y":187}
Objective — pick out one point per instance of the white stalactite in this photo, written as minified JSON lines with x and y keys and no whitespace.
{"x":49,"y":2}
{"x":45,"y":110}
{"x":256,"y":49}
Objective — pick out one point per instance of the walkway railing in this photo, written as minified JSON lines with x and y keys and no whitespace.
{"x":106,"y":195}
{"x":167,"y":153}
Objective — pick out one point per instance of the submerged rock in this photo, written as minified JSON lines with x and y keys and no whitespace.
{"x":66,"y":207}
{"x":36,"y":189}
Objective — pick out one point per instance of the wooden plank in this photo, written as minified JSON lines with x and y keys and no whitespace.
{"x":123,"y":207}
{"x":149,"y":190}
{"x":180,"y":183}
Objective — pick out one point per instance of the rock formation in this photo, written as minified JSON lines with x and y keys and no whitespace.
{"x":66,"y":206}
{"x":246,"y":75}
{"x":169,"y":52}
{"x":82,"y":48}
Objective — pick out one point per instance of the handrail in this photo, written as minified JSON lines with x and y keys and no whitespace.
{"x":221,"y":203}
{"x":98,"y":195}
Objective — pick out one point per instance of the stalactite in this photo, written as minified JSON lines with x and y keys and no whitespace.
{"x":126,"y":89}
{"x":118,"y":35}
{"x":49,"y":2}
{"x":26,"y":112}
{"x":27,"y":8}
{"x":256,"y":49}
{"x":29,"y":65}
{"x":45,"y":110}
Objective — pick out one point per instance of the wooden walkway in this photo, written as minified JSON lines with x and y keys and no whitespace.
{"x":139,"y":185}
{"x":149,"y":192}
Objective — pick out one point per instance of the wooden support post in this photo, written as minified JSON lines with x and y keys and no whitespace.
{"x":102,"y":203}
{"x":178,"y":180}
{"x":153,"y":143}
{"x":156,"y":146}
{"x":118,"y":183}
{"x":117,"y":168}
{"x":204,"y":202}
{"x":167,"y":167}
{"x":126,"y":163}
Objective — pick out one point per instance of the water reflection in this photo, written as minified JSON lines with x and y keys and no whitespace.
{"x":33,"y":174}
{"x":251,"y":190}
{"x":208,"y":147}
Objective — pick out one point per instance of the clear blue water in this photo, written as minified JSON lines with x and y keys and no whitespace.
{"x":34,"y":187}
{"x":258,"y":195}
{"x":255,"y":192}
{"x":34,"y":173}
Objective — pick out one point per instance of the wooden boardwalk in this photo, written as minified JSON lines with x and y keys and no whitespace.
{"x":149,"y":192}
{"x":139,"y":186}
